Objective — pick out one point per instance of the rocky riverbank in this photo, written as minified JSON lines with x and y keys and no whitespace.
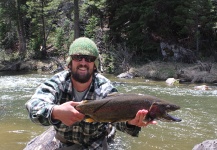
{"x":51,"y":65}
{"x":201,"y":72}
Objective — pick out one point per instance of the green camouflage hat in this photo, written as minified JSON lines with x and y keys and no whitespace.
{"x":83,"y":46}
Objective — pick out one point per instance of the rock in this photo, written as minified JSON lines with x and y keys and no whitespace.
{"x":206,"y":145}
{"x":126,"y":75}
{"x":194,"y":75}
{"x":202,"y":87}
{"x":45,"y":141}
{"x":172,"y":81}
{"x":49,"y":65}
{"x":177,"y":53}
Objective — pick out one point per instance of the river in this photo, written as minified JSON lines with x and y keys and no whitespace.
{"x":198,"y":113}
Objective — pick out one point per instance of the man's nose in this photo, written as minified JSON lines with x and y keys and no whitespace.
{"x":83,"y":61}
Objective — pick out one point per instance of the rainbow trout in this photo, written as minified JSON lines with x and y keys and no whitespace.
{"x":123,"y":107}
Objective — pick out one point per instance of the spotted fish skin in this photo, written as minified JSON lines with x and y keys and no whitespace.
{"x":123,"y":107}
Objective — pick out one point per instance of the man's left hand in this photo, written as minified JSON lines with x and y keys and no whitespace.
{"x":139,"y":119}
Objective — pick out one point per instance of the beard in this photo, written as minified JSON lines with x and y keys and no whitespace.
{"x":81,"y":78}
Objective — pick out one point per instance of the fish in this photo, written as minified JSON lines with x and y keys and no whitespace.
{"x":123,"y":107}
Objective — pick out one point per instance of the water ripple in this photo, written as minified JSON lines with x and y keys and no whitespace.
{"x":18,"y":82}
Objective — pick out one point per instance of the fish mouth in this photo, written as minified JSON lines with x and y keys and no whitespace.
{"x":165,"y":117}
{"x":156,"y":112}
{"x":169,"y":118}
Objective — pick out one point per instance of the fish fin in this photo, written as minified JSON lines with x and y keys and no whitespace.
{"x":89,"y":120}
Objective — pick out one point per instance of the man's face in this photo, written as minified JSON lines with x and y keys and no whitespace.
{"x":82,"y":70}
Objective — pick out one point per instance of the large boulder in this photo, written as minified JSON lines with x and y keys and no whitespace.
{"x":126,"y":75}
{"x":206,"y":145}
{"x":172,"y":81}
{"x":45,"y":141}
{"x":197,"y":74}
{"x":177,"y":53}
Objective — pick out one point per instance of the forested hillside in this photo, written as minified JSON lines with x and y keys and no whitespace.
{"x":126,"y":31}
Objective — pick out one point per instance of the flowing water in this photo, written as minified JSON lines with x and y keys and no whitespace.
{"x":198,"y":112}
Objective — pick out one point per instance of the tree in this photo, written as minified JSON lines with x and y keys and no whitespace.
{"x":186,"y":23}
{"x":13,"y":22}
{"x":76,"y":20}
{"x":37,"y":14}
{"x":21,"y":20}
{"x":139,"y":25}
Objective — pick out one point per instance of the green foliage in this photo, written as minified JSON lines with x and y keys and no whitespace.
{"x":140,"y":24}
{"x":35,"y":47}
{"x":63,"y":37}
{"x":90,"y":29}
{"x":8,"y":35}
{"x":108,"y":63}
{"x":59,"y":38}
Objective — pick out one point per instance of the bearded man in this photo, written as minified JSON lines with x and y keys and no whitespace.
{"x":53,"y":102}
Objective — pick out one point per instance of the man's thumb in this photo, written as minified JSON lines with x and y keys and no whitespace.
{"x":74,"y":103}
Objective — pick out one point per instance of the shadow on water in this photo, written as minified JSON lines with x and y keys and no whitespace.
{"x":198,"y":113}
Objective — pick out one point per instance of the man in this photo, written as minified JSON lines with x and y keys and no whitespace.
{"x":54,"y":101}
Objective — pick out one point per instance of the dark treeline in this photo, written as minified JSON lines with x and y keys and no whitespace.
{"x":123,"y":29}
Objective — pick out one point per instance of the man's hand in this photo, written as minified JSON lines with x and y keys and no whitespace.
{"x":138,"y":120}
{"x":66,"y":113}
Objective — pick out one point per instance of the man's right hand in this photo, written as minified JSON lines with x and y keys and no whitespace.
{"x":66,"y":113}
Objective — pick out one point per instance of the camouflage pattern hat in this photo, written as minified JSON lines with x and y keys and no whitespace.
{"x":83,"y":46}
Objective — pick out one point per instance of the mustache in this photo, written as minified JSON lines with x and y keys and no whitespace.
{"x":82,"y":66}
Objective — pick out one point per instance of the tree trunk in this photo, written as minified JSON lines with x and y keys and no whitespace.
{"x":43,"y":51}
{"x":215,"y":56}
{"x":21,"y":31}
{"x":76,"y":20}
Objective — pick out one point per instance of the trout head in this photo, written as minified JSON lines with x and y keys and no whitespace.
{"x":159,"y":111}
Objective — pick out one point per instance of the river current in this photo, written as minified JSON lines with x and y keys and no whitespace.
{"x":198,"y":113}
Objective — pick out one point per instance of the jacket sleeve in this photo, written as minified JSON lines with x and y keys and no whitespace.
{"x":129,"y":129}
{"x":41,"y":104}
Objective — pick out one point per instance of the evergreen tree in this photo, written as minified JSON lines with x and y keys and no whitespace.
{"x":12,"y":25}
{"x":135,"y":22}
{"x":37,"y":15}
{"x":139,"y":25}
